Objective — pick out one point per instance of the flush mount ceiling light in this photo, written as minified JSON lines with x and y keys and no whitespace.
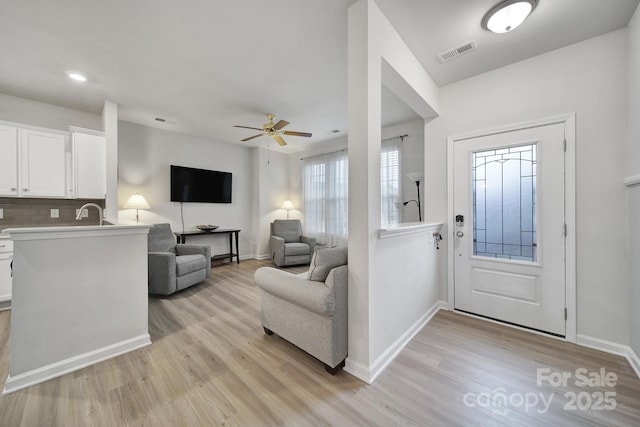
{"x":76,"y":76}
{"x":507,"y":15}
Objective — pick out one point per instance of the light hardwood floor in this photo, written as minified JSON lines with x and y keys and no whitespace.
{"x":211,"y":364}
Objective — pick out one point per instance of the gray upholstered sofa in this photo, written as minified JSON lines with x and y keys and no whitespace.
{"x":310,"y":309}
{"x":174,"y":267}
{"x":287,"y":244}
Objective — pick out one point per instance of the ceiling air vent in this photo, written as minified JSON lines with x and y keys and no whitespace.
{"x":448,"y":55}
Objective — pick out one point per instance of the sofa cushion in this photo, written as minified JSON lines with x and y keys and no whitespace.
{"x":324,"y":260}
{"x":186,"y":264}
{"x":161,"y":239}
{"x":289,"y":229}
{"x":291,"y":249}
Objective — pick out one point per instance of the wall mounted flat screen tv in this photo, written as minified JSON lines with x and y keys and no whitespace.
{"x":200,"y":185}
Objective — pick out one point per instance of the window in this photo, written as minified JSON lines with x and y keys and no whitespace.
{"x":326,"y":201}
{"x":390,"y":182}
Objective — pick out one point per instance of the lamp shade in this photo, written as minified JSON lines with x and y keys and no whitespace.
{"x":415,"y":176}
{"x":287,"y":205}
{"x":136,"y":201}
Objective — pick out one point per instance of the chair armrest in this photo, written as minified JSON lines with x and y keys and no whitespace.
{"x":196,"y":250}
{"x":313,"y":296}
{"x":162,"y":272}
{"x":311,"y":241}
{"x":276,"y":246}
{"x":338,"y":281}
{"x":338,"y":278}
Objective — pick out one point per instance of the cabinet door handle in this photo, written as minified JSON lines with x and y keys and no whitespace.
{"x":13,"y":188}
{"x":25,"y":189}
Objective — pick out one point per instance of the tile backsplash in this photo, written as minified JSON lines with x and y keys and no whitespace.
{"x":22,"y":212}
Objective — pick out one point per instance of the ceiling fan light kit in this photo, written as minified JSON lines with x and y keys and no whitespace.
{"x":507,"y":15}
{"x":274,"y":130}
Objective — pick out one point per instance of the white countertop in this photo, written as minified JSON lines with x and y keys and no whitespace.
{"x":408,"y":228}
{"x":71,"y":231}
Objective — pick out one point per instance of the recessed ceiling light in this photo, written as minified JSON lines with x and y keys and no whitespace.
{"x":507,"y":15}
{"x":76,"y":76}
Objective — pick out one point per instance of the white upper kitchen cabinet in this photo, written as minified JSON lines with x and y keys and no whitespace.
{"x":90,"y":160}
{"x":8,"y":161}
{"x":42,"y":164}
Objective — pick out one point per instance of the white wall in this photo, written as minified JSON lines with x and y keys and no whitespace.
{"x":110,"y":126}
{"x":26,"y":111}
{"x":144,"y":158}
{"x":270,"y":190}
{"x":633,"y":169}
{"x":590,"y":79}
{"x":389,"y":289}
{"x":93,"y":307}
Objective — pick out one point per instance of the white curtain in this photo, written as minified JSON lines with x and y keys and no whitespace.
{"x":325,"y":188}
{"x":390,"y":182}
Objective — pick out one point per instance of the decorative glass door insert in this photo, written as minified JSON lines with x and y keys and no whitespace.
{"x":504,"y":203}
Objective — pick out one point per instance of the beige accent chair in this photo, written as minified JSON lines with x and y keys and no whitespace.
{"x":287,"y":244}
{"x":310,"y":309}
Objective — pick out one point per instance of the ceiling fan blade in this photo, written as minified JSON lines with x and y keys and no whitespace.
{"x":292,"y":133}
{"x":251,"y":137}
{"x":280,"y":124}
{"x":246,"y":127}
{"x":279,"y":140}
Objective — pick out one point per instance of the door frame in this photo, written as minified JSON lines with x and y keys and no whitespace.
{"x":569,"y":121}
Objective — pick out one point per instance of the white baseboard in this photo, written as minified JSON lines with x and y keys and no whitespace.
{"x":370,"y":373}
{"x":612,"y":348}
{"x":634,"y":360}
{"x":602,"y":345}
{"x":5,"y":304}
{"x":245,"y":257}
{"x":358,"y":370}
{"x":36,"y":376}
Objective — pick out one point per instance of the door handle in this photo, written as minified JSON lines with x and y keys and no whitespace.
{"x":459,"y":234}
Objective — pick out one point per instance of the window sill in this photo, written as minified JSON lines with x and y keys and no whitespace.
{"x":632,"y":181}
{"x":409,"y":228}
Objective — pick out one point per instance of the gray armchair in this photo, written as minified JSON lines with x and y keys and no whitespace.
{"x":287,"y":244}
{"x":310,"y":309}
{"x":174,"y":267}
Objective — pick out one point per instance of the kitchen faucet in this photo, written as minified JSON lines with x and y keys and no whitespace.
{"x":85,"y":206}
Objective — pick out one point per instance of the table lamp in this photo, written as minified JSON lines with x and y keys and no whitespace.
{"x":288,"y":205}
{"x":136,"y":202}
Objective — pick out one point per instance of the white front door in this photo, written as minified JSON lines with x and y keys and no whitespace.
{"x":509,"y":234}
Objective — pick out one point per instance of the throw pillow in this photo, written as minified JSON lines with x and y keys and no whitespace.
{"x":324,"y":260}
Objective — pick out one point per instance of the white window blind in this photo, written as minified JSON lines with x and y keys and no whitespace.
{"x":326,"y":202}
{"x":390,"y":182}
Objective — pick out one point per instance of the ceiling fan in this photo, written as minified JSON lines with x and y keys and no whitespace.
{"x":274,"y":130}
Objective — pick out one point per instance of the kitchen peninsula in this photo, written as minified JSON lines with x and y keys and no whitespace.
{"x":79,"y":297}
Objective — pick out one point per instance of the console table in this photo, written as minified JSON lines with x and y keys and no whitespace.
{"x":232,"y":232}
